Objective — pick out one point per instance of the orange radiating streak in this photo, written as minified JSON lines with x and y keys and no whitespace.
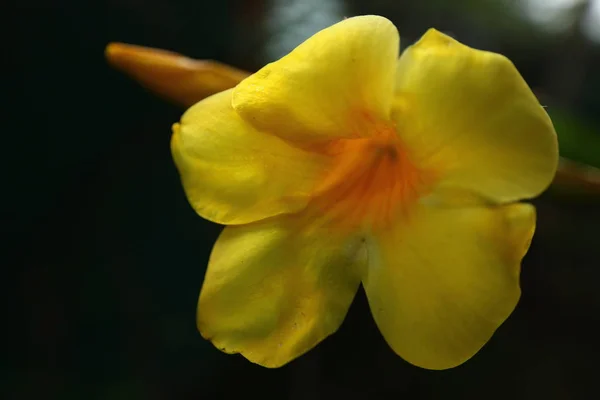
{"x":372,"y":180}
{"x":186,"y":81}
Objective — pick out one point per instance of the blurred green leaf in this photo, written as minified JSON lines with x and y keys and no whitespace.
{"x":578,"y":139}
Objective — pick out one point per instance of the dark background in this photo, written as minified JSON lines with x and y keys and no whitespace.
{"x":106,"y":258}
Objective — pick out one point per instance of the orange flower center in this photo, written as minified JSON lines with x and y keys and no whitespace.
{"x":372,"y":180}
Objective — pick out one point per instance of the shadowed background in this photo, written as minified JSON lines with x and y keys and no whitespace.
{"x":107,"y":257}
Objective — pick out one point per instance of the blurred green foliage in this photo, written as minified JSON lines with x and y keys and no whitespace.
{"x":579,"y":139}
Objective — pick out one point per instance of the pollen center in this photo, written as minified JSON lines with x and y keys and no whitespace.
{"x":372,"y":180}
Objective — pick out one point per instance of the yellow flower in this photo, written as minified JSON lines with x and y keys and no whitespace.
{"x":341,"y":164}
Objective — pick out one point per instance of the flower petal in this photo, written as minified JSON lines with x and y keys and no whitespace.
{"x":470,"y":115}
{"x":233,"y":174}
{"x":440,"y":285}
{"x":274,"y":289}
{"x":318,"y":90}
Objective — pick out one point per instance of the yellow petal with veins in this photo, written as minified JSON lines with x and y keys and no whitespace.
{"x":275,"y":288}
{"x":442,"y":283}
{"x":320,"y":88}
{"x":233,"y":174}
{"x":469,"y":115}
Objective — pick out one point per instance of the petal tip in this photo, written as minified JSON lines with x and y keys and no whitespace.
{"x":381,"y":20}
{"x":111,"y":49}
{"x":256,"y":357}
{"x":433,"y":37}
